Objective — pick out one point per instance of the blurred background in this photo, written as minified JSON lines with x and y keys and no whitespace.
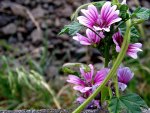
{"x":32,"y":54}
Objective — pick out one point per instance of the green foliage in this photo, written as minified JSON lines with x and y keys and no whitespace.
{"x":141,"y":70}
{"x":104,"y":94}
{"x":99,"y":4}
{"x":131,"y":103}
{"x":123,"y":12}
{"x":134,"y":32}
{"x":22,"y":89}
{"x":141,"y":13}
{"x":71,"y":29}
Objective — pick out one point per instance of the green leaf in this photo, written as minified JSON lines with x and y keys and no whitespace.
{"x":141,"y":13}
{"x":130,"y":103}
{"x":71,"y":29}
{"x":135,"y":35}
{"x":99,"y":4}
{"x":104,"y":94}
{"x":123,"y":12}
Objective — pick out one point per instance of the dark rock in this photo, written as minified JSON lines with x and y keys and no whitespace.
{"x":12,"y":40}
{"x":30,"y":26}
{"x":6,"y":18}
{"x":51,"y":9}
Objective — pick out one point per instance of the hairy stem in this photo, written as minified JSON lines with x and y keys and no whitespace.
{"x":112,"y":71}
{"x":116,"y":86}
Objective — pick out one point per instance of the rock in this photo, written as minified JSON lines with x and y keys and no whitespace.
{"x":37,"y":36}
{"x":67,"y":11}
{"x":6,"y":18}
{"x":57,"y":22}
{"x":30,"y":26}
{"x":20,"y":37}
{"x":50,"y":111}
{"x":52,"y":71}
{"x":38,"y":12}
{"x":9,"y":29}
{"x":19,"y":10}
{"x":12,"y":40}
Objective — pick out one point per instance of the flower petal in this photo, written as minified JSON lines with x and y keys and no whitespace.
{"x":124,"y":75}
{"x":100,"y":76}
{"x":122,"y":86}
{"x":117,"y":39}
{"x":82,"y":89}
{"x":83,"y":40}
{"x":133,"y":49}
{"x":75,"y":80}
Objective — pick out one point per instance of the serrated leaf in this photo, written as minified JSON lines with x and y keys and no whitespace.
{"x":114,"y":105}
{"x":131,"y":103}
{"x":141,"y":13}
{"x":71,"y":29}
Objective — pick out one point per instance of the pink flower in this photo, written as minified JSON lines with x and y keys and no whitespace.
{"x":89,"y":82}
{"x":132,"y":49}
{"x":90,"y":18}
{"x":108,"y":16}
{"x":124,"y":76}
{"x":91,"y":39}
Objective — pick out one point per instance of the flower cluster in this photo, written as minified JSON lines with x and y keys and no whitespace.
{"x":97,"y":24}
{"x":88,"y":82}
{"x":103,"y":33}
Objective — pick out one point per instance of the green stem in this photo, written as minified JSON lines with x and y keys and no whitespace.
{"x":116,"y":86}
{"x":110,"y":91}
{"x":112,"y":71}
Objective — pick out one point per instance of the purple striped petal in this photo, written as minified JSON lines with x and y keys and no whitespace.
{"x":75,"y":80}
{"x":80,"y":99}
{"x":88,"y":75}
{"x":85,"y":21}
{"x":109,"y":15}
{"x":90,"y":16}
{"x":82,"y":89}
{"x":133,"y":49}
{"x":91,"y":39}
{"x":124,"y":75}
{"x":117,"y":39}
{"x":100,"y":76}
{"x":83,"y":40}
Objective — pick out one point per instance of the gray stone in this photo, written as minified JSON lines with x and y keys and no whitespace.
{"x":36,"y":36}
{"x":9,"y":29}
{"x":38,"y":12}
{"x":56,"y":111}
